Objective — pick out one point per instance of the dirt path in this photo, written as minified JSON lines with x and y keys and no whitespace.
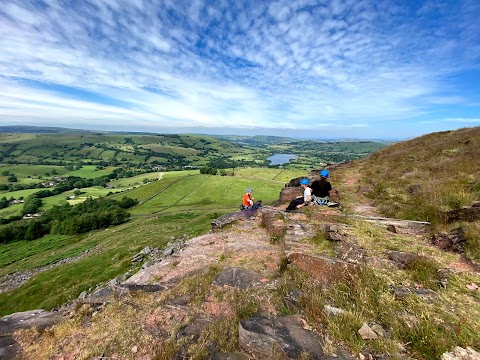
{"x":351,"y":188}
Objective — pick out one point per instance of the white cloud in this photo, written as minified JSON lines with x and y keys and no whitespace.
{"x":292,"y":64}
{"x":462,"y":120}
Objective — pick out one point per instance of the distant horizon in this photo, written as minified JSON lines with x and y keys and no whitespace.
{"x":393,"y":69}
{"x":221,"y":132}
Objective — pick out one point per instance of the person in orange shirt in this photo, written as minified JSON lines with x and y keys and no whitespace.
{"x":248,"y":199}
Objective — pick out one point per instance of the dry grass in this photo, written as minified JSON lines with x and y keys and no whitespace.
{"x":419,"y":179}
{"x":426,"y":175}
{"x":148,"y":324}
{"x":420,"y":328}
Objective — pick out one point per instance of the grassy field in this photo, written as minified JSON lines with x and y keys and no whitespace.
{"x":23,"y":171}
{"x":110,"y":256}
{"x":37,"y":173}
{"x":187,"y":206}
{"x":205,"y":192}
{"x":18,"y":194}
{"x":90,"y":172}
{"x":168,"y":149}
{"x":94,"y":192}
{"x":279,"y":175}
{"x":209,"y":193}
{"x":138,"y":180}
{"x":11,"y":210}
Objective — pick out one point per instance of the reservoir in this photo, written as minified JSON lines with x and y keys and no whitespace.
{"x":279,"y":159}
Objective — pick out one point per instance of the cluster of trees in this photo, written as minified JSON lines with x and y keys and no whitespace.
{"x":31,"y":205}
{"x":209,"y":170}
{"x":70,"y":183}
{"x":11,"y":177}
{"x":4,"y":203}
{"x":17,"y":187}
{"x":215,"y":171}
{"x":69,"y":220}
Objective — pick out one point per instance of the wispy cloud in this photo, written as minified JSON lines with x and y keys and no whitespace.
{"x":301,"y":64}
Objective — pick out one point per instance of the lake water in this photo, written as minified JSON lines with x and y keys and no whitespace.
{"x":279,"y":159}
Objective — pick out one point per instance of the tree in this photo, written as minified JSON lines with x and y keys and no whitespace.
{"x":3,"y":203}
{"x":12,"y":178}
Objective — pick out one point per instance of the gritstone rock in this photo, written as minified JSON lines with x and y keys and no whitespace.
{"x":367,"y":333}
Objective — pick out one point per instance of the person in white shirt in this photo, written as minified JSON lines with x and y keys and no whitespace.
{"x":300,"y":201}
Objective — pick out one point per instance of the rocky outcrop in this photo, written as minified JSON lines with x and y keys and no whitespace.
{"x":275,"y":226}
{"x":464,"y":214}
{"x":280,"y":338}
{"x":39,"y":319}
{"x":402,"y":259}
{"x":367,"y":333}
{"x":229,"y":356}
{"x":334,"y":232}
{"x":238,"y":278}
{"x":402,"y":292}
{"x":287,"y":194}
{"x":459,"y":353}
{"x":351,"y":252}
{"x":9,"y":349}
{"x":226,"y":219}
{"x":453,"y":241}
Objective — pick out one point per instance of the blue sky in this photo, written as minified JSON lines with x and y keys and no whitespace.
{"x":318,"y":69}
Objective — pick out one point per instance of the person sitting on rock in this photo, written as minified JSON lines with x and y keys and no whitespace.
{"x":321,"y":188}
{"x":248,"y":199}
{"x":301,"y":201}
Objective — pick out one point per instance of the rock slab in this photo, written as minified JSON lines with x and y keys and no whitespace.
{"x":279,"y":338}
{"x":39,"y":319}
{"x":324,"y":269}
{"x":237,"y":278}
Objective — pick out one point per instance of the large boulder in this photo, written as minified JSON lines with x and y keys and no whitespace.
{"x":40,"y":319}
{"x":274,"y":226}
{"x":287,"y":194}
{"x":226,"y":219}
{"x":280,"y":339}
{"x":9,"y":348}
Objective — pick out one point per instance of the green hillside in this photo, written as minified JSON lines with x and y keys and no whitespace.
{"x":176,"y":206}
{"x":170,"y":151}
{"x":422,"y":178}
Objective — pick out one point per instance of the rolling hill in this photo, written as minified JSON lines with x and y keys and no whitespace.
{"x":421,"y":299}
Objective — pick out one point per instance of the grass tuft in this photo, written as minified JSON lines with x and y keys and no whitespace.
{"x":425,"y":272}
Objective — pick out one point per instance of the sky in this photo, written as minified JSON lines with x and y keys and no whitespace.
{"x":387,"y":69}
